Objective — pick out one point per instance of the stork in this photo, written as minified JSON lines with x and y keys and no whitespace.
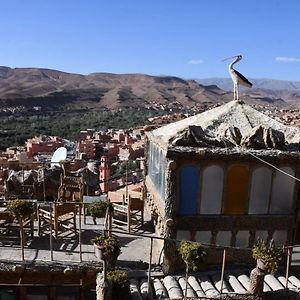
{"x":237,"y":77}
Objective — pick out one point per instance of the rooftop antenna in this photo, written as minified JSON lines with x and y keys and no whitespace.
{"x":237,"y":77}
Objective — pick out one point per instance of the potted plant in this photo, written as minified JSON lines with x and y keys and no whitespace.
{"x":97,"y":209}
{"x":106,"y":248}
{"x":193,"y":254}
{"x":268,"y":256}
{"x":20,"y":209}
{"x":120,"y":284}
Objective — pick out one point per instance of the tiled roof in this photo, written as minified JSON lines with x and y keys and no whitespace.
{"x":206,"y":285}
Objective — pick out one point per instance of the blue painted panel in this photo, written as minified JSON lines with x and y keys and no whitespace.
{"x":189,"y":189}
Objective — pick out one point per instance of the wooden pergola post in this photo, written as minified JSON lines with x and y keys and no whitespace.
{"x":21,"y":224}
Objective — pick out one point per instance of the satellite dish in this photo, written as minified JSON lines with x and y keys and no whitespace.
{"x":59,"y":155}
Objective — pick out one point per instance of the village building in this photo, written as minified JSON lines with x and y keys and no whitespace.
{"x":94,"y":145}
{"x":224,"y":177}
{"x":43,"y":144}
{"x":92,"y":148}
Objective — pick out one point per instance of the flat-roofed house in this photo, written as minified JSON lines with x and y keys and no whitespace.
{"x":224,"y":177}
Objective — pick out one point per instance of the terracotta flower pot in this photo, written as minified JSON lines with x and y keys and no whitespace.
{"x":99,"y":251}
{"x":261,"y":265}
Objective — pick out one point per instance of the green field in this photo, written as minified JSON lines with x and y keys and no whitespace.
{"x":16,"y":129}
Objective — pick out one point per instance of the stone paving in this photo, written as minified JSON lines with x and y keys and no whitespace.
{"x":135,"y":255}
{"x":135,"y":249}
{"x":67,"y":250}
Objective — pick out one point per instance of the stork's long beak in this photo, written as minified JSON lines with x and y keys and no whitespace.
{"x":229,"y":57}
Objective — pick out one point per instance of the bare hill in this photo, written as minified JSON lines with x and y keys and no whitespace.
{"x":52,"y":89}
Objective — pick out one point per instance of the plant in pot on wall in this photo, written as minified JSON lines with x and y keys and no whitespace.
{"x":107,"y":248}
{"x":97,"y":209}
{"x":20,"y":209}
{"x":193,"y":254}
{"x":267,"y":255}
{"x":120,"y":284}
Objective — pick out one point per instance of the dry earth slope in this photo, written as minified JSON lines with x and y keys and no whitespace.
{"x":54,"y":89}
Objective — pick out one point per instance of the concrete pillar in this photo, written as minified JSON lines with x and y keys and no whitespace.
{"x":257,"y":282}
{"x":103,"y":288}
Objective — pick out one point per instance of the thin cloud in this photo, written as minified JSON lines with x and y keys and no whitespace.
{"x":195,"y":62}
{"x":287,"y":59}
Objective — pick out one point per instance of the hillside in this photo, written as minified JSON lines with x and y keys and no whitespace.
{"x":56,"y":90}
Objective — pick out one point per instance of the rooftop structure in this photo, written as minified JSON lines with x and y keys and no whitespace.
{"x":224,"y":177}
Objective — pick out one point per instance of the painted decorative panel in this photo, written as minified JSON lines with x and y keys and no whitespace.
{"x":157,"y":169}
{"x":242,"y":239}
{"x":261,"y":234}
{"x":260,"y":190}
{"x":236,"y":192}
{"x":188,"y":190}
{"x":282,"y":192}
{"x":203,"y":237}
{"x":224,"y":238}
{"x":212,"y":190}
{"x":280,"y":237}
{"x":183,"y":235}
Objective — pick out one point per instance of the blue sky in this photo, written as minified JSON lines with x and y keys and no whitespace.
{"x":186,"y":38}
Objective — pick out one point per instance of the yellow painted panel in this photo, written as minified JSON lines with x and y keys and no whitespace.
{"x":236,"y":190}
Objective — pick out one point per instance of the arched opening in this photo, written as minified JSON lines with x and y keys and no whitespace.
{"x":212,"y":190}
{"x":236,"y":192}
{"x":260,"y":190}
{"x":283,"y":192}
{"x":188,"y":190}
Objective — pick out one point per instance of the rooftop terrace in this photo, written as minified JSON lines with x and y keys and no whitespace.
{"x":72,"y":251}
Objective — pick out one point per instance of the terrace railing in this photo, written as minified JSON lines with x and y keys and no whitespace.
{"x":104,"y":228}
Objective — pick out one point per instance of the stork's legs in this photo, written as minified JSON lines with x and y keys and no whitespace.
{"x":235,"y":92}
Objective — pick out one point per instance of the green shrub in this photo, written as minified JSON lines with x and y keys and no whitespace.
{"x":268,"y":253}
{"x":193,"y":254}
{"x":120,"y":285}
{"x":20,"y":209}
{"x":111,"y":246}
{"x":97,"y":209}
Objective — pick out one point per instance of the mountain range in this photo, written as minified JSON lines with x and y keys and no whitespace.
{"x":52,"y":90}
{"x":263,"y":83}
{"x":289,"y":91}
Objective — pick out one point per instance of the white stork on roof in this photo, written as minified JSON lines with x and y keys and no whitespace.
{"x":237,"y":77}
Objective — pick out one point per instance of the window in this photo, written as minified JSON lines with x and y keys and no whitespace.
{"x":157,"y":169}
{"x":236,"y":189}
{"x":212,"y":190}
{"x":189,"y":190}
